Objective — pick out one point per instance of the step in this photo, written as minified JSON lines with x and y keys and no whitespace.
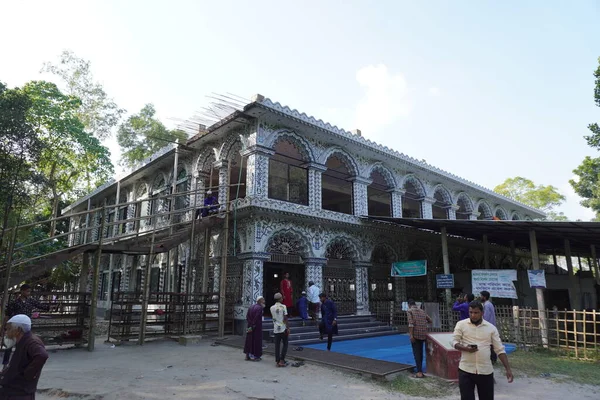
{"x":296,"y":321}
{"x":343,"y":332}
{"x":311,"y":327}
{"x":340,"y":338}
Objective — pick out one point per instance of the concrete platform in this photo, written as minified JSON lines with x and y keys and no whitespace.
{"x":375,"y":369}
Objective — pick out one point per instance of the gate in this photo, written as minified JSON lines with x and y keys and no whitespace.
{"x":233,"y":289}
{"x":340,"y":286}
{"x":381,"y":287}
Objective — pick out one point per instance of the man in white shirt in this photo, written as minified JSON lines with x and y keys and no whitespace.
{"x":281,"y":330}
{"x":476,"y":338}
{"x":314,"y":302}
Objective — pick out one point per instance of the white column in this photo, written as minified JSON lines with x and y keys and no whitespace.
{"x":452,"y":211}
{"x":222,"y":167}
{"x":315,"y":172}
{"x":252,"y":285}
{"x":257,"y":171}
{"x":313,"y":268}
{"x":397,"y":202}
{"x":427,"y":207}
{"x":360,"y":199}
{"x":362,"y":288}
{"x":474,"y":215}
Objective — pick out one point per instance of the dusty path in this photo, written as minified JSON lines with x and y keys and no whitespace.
{"x":166,"y":370}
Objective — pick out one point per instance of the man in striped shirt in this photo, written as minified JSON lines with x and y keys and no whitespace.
{"x":417,"y":329}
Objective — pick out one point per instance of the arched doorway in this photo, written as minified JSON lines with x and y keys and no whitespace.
{"x":416,"y":287}
{"x":381,"y":284}
{"x":339,"y":275}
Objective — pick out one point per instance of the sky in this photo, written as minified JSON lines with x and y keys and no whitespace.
{"x":486,"y":90}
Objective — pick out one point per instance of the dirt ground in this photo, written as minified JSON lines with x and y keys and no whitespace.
{"x":166,"y":370}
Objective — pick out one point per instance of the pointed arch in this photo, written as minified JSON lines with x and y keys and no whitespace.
{"x":205,"y":160}
{"x":288,"y":242}
{"x":343,"y":156}
{"x":484,"y":210}
{"x":444,"y":194}
{"x":296,"y":140}
{"x":501,"y":213}
{"x":384,"y":171}
{"x":383,"y":253}
{"x":342,"y":248}
{"x":416,"y":182}
{"x":515,"y":216}
{"x":231,"y":146}
{"x":466,"y":200}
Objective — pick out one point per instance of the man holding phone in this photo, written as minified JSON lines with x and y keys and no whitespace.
{"x":475,"y":338}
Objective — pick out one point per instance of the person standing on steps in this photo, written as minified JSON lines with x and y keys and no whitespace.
{"x":286,"y":290}
{"x":328,"y":323}
{"x":281,"y":330}
{"x":313,"y":301}
{"x":302,"y":307}
{"x":253,"y":347}
{"x":474,"y":338}
{"x":417,"y":329}
{"x":489,"y":314}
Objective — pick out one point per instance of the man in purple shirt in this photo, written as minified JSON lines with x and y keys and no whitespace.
{"x":489,"y":314}
{"x":462,"y":305}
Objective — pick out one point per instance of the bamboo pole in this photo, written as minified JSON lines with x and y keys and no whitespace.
{"x":146,"y":292}
{"x":188,"y":272}
{"x":223,"y":273}
{"x":95,"y":277}
{"x":7,"y":272}
{"x":539,"y":293}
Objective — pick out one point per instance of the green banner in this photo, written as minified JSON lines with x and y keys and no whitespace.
{"x":406,"y":269}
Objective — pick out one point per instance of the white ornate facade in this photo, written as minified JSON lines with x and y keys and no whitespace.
{"x":294,"y":225}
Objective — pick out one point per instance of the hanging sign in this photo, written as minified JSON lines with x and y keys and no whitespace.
{"x":407,"y":269}
{"x":537,"y":278}
{"x":445,"y":281}
{"x":498,"y":282}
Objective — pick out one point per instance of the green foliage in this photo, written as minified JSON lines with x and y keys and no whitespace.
{"x":98,"y":113}
{"x":141,"y":135}
{"x":594,"y":139}
{"x":542,"y":197}
{"x":586,"y":184}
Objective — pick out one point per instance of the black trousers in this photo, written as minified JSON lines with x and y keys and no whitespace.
{"x":279,"y":338}
{"x":417,"y":348}
{"x":467,"y":383}
{"x":6,"y":358}
{"x":329,"y":335}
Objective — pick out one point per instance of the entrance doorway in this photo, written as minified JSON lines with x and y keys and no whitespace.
{"x":273,"y":275}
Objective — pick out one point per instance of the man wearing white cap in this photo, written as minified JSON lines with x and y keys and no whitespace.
{"x":19,"y":381}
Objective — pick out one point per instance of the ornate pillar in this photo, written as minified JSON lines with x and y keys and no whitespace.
{"x":257,"y":171}
{"x":362,"y":287}
{"x":315,"y":172}
{"x":215,"y":263}
{"x":222,"y":167}
{"x":314,"y":271}
{"x":427,"y":207}
{"x":474,"y":215}
{"x":252,"y":285}
{"x":452,"y":211}
{"x":360,"y":199}
{"x":397,"y":202}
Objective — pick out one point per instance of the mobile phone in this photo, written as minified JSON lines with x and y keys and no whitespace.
{"x":473,"y":346}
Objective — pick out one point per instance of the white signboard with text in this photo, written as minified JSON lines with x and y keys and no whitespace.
{"x":498,"y":282}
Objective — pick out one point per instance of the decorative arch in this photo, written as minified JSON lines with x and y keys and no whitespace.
{"x":515,"y":216}
{"x":160,"y":181}
{"x":288,"y":242}
{"x":141,"y":190}
{"x":383,"y":254}
{"x":445,"y":193}
{"x":501,"y":213}
{"x":342,"y":248}
{"x":417,"y":253}
{"x":298,"y":141}
{"x":466,"y":200}
{"x":484,"y":209}
{"x":229,"y":146}
{"x":206,"y":158}
{"x":384,"y":171}
{"x":344,"y":157}
{"x":416,"y":182}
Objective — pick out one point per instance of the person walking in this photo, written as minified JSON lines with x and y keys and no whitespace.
{"x":24,"y":304}
{"x":19,"y":381}
{"x":462,"y":305}
{"x":253,"y":346}
{"x":302,"y":307}
{"x":281,"y":330}
{"x":474,"y":338}
{"x":328,"y":323}
{"x":313,"y":300}
{"x":489,"y":314}
{"x":417,"y":329}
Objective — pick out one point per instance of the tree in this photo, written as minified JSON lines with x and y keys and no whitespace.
{"x":141,"y":135}
{"x":65,"y":158}
{"x":98,"y":113}
{"x":587,"y":183}
{"x":594,"y":139}
{"x":20,"y":150}
{"x":542,"y":197}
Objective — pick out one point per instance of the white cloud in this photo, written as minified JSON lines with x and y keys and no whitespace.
{"x":385,"y":99}
{"x":435,"y":91}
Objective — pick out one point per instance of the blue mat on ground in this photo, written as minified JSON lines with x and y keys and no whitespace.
{"x":393,"y":348}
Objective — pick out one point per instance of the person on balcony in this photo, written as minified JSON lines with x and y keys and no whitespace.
{"x":211,"y":206}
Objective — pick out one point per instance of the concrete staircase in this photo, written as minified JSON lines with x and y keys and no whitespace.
{"x":350,"y":327}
